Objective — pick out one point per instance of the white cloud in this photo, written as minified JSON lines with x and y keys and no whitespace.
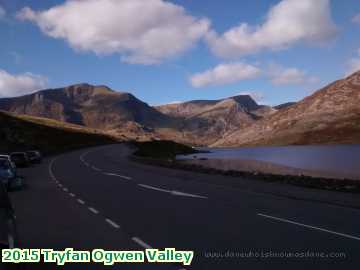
{"x":356,"y":18}
{"x":21,"y":84}
{"x":175,"y":102}
{"x":2,"y":12}
{"x":224,"y":74}
{"x":142,"y":31}
{"x":288,"y":22}
{"x":353,"y":64}
{"x":279,"y":75}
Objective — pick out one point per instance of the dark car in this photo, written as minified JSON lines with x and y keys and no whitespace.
{"x":20,"y":159}
{"x":7,"y":172}
{"x":7,"y":157}
{"x":34,"y":156}
{"x":9,"y":177}
{"x":8,"y":233}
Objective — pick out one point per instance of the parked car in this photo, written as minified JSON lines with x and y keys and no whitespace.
{"x":9,"y":177}
{"x":7,"y":157}
{"x":34,"y":156}
{"x":21,"y":159}
{"x":6,"y":172}
{"x":8,"y":233}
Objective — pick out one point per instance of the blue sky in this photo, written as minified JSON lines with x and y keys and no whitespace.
{"x":165,"y":51}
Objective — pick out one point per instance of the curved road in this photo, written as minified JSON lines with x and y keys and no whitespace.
{"x":97,"y":198}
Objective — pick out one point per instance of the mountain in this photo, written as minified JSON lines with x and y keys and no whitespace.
{"x":330,"y":115}
{"x":21,"y":133}
{"x":91,"y":106}
{"x":209,"y":120}
{"x":284,"y":105}
{"x":200,"y":122}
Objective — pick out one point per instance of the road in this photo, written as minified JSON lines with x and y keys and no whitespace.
{"x":97,"y":198}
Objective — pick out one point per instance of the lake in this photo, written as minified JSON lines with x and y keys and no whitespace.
{"x":337,"y":159}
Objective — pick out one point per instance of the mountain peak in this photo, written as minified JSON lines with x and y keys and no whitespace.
{"x":85,"y":88}
{"x":246,"y":101}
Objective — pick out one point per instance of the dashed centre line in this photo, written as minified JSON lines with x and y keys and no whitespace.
{"x":93,"y":210}
{"x":173,"y":192}
{"x":153,"y":188}
{"x":80,"y":201}
{"x":118,"y":175}
{"x":95,"y":168}
{"x":141,"y":242}
{"x":112,"y":223}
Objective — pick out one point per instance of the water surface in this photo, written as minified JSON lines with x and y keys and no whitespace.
{"x":337,"y":159}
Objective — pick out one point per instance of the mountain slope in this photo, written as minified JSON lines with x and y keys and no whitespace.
{"x":84,"y":104}
{"x":202,"y":107}
{"x":330,"y":115}
{"x":119,"y":113}
{"x":206,"y":121}
{"x":20,"y":133}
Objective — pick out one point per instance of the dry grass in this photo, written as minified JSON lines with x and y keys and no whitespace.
{"x":19,"y":133}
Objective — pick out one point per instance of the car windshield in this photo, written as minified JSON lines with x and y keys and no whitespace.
{"x":4,"y":164}
{"x":17,"y":155}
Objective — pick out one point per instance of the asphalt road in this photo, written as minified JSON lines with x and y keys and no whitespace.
{"x":97,"y":198}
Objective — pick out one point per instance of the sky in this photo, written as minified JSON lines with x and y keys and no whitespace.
{"x":179,"y":50}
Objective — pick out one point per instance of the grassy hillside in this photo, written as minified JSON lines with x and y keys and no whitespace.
{"x":19,"y":133}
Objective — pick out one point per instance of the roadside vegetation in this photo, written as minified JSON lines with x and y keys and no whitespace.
{"x":21,"y":133}
{"x":163,"y":150}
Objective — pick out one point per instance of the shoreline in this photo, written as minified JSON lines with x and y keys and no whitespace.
{"x":257,"y":166}
{"x":309,"y":182}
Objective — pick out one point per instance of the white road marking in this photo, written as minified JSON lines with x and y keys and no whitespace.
{"x":310,"y":227}
{"x":72,"y":194}
{"x":83,"y":156}
{"x":173,"y":192}
{"x":95,"y":168}
{"x":141,"y":242}
{"x":154,"y":188}
{"x":51,"y":169}
{"x":80,"y":201}
{"x":178,"y":193}
{"x":112,"y":223}
{"x":118,"y":175}
{"x":60,"y":185}
{"x":65,"y":189}
{"x":93,"y":210}
{"x":11,"y":241}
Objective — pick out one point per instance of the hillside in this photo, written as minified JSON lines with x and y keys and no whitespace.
{"x":20,"y":133}
{"x":209,"y":120}
{"x":330,"y":115}
{"x":83,"y":104}
{"x":119,"y":113}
